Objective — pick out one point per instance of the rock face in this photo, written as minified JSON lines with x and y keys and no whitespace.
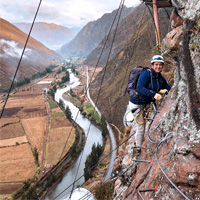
{"x":91,"y":35}
{"x":137,"y":51}
{"x":179,"y":115}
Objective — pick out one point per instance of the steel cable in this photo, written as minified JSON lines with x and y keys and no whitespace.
{"x":168,"y":136}
{"x":95,"y":165}
{"x":20,"y":59}
{"x":108,"y":35}
{"x":120,"y":7}
{"x":98,"y":95}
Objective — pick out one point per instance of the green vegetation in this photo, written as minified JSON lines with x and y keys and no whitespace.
{"x":51,"y":91}
{"x":34,"y":76}
{"x":104,"y":127}
{"x":68,"y":113}
{"x":91,"y":113}
{"x":92,"y":160}
{"x":57,"y":114}
{"x":35,"y":154}
{"x":52,"y":104}
{"x":104,"y":191}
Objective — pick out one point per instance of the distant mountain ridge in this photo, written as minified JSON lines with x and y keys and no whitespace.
{"x":51,"y":35}
{"x":36,"y":57}
{"x":91,"y":35}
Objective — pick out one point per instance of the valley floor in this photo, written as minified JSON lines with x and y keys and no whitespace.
{"x":30,"y":123}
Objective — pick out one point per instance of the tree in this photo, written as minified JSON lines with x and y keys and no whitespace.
{"x":72,"y":150}
{"x":92,"y":160}
{"x":63,"y":69}
{"x":73,"y":69}
{"x":35,"y":153}
{"x":61,"y":104}
{"x":68,"y":113}
{"x":104,"y":126}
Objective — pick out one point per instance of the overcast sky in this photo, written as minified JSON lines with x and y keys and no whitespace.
{"x":71,"y":13}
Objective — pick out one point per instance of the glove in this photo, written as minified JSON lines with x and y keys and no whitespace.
{"x":164,"y":91}
{"x":158,"y":97}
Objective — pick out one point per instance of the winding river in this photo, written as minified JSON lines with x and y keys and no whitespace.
{"x":93,"y":136}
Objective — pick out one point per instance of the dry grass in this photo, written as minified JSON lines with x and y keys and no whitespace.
{"x":16,"y":163}
{"x":11,"y":131}
{"x":35,"y":130}
{"x":4,"y":121}
{"x":56,"y":142}
{"x":13,"y":141}
{"x":57,"y":122}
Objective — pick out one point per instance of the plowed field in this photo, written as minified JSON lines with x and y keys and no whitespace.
{"x":16,"y":163}
{"x":56,"y":142}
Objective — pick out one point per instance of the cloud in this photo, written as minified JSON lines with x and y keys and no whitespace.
{"x":12,"y":49}
{"x":74,"y":13}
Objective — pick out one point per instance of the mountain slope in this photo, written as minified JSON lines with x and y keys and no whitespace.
{"x":91,"y":35}
{"x":179,"y":115}
{"x":36,"y":57}
{"x":51,"y":35}
{"x":137,"y":51}
{"x":127,"y":29}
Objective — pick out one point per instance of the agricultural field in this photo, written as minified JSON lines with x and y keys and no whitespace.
{"x":59,"y":131}
{"x":30,"y":121}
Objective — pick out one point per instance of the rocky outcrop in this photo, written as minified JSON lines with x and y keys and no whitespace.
{"x":178,"y":156}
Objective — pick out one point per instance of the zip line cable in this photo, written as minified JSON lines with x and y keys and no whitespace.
{"x":20,"y":60}
{"x":126,"y":70}
{"x":103,"y":158}
{"x":104,"y":72}
{"x":95,"y":165}
{"x":166,"y":137}
{"x":93,"y":73}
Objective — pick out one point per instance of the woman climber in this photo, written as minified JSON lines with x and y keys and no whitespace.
{"x":150,"y":86}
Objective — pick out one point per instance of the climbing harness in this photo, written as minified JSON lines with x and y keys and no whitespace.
{"x":148,"y":113}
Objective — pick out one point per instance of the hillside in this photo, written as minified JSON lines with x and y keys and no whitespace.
{"x":91,"y":35}
{"x":178,"y":156}
{"x":127,"y":29}
{"x":51,"y":35}
{"x":35,"y":59}
{"x":137,"y":51}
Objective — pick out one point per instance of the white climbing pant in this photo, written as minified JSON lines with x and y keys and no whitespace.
{"x":139,"y":128}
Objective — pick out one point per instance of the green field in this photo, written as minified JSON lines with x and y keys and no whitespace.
{"x":90,"y":110}
{"x":58,"y":114}
{"x":52,"y":104}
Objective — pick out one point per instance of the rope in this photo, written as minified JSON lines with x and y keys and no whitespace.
{"x":120,"y":7}
{"x":93,"y":73}
{"x":132,"y":53}
{"x":94,"y":165}
{"x":20,"y":60}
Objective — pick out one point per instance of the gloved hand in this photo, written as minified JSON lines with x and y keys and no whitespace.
{"x":164,"y":91}
{"x":158,"y":97}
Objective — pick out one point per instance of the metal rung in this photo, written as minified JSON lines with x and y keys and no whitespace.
{"x":147,"y":161}
{"x":146,"y":190}
{"x":138,"y":147}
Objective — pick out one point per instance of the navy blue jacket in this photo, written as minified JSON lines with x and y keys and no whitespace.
{"x":147,"y":87}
